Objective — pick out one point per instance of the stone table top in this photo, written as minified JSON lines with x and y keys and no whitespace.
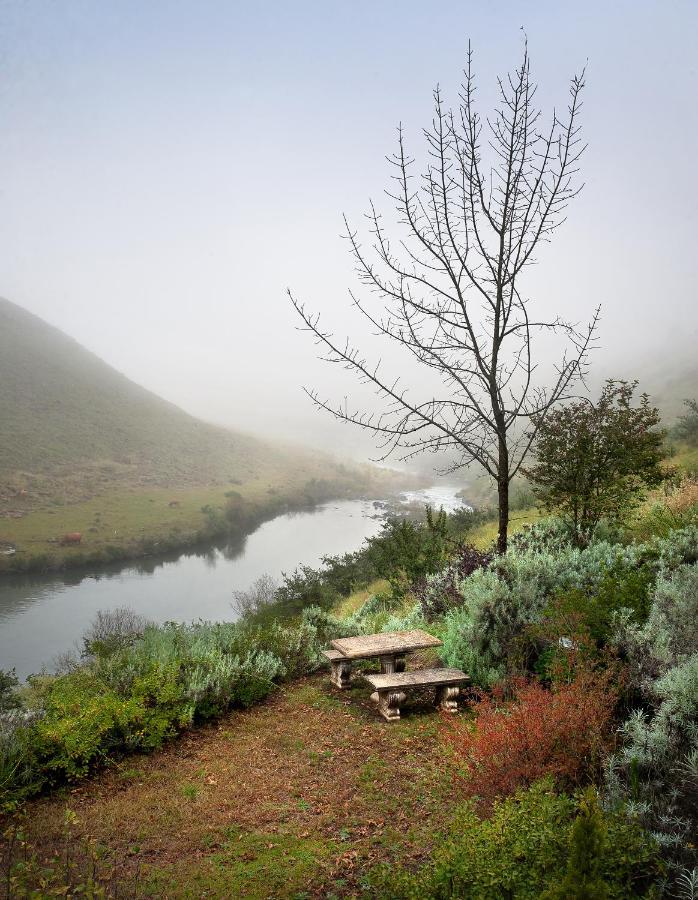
{"x":388,"y":643}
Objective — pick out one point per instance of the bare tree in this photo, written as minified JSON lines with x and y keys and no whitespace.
{"x":449,"y":290}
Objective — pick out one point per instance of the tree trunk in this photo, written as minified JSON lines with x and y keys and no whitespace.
{"x":503,"y":502}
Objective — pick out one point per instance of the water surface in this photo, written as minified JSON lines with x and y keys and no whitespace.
{"x":42,"y":616}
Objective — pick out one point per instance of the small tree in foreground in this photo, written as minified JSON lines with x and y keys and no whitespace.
{"x":448,"y":289}
{"x":596,"y":461}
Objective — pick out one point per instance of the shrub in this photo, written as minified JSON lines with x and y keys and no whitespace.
{"x":406,"y":551}
{"x":596,"y":461}
{"x":9,"y":698}
{"x":656,"y":769}
{"x":255,"y":598}
{"x":113,"y":630}
{"x":523,"y":849}
{"x":383,"y":612}
{"x":583,"y":879}
{"x":549,"y":534}
{"x":686,"y":429}
{"x":304,"y":587}
{"x":299,"y":644}
{"x":500,"y":602}
{"x":577,"y":624}
{"x":560,"y":733}
{"x":439,"y":592}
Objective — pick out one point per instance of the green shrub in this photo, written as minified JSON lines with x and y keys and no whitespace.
{"x":499,"y":603}
{"x":81,"y":721}
{"x":686,"y":428}
{"x":113,"y":630}
{"x":656,"y":769}
{"x":9,"y":698}
{"x":588,"y":617}
{"x":134,"y":692}
{"x":405,"y":551}
{"x":583,"y":879}
{"x":299,"y":644}
{"x":523,"y":850}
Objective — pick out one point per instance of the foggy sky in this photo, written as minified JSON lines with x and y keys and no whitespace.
{"x":167,"y":169}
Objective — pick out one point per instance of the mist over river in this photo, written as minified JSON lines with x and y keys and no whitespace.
{"x":43,"y":616}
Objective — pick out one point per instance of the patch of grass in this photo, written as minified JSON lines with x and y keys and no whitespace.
{"x":252,"y":865}
{"x":132,"y":521}
{"x":357,"y":599}
{"x":685,"y":458}
{"x":190,"y":791}
{"x":294,"y":795}
{"x":485,"y":535}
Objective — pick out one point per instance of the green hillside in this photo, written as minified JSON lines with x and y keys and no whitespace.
{"x":84,"y":449}
{"x":62,"y":407}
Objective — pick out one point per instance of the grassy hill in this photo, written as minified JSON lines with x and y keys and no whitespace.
{"x":61,"y":407}
{"x":83,"y":448}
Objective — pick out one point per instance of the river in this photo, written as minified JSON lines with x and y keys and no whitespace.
{"x":42,"y":616}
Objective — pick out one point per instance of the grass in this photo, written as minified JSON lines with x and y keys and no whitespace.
{"x":297,"y":797}
{"x":485,"y":535}
{"x":685,"y":458}
{"x":357,"y":599}
{"x":134,"y":521}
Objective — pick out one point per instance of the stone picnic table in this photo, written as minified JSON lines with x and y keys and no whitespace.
{"x":393,"y":682}
{"x":389,"y":647}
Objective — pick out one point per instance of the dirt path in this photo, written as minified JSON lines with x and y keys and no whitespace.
{"x":298,"y":797}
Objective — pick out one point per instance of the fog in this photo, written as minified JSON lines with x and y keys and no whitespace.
{"x":167,"y":169}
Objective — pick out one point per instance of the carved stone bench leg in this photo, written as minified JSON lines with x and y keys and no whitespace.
{"x":447,"y":698}
{"x":340,"y":675}
{"x":389,"y":704}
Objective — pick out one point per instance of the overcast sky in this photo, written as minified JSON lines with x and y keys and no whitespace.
{"x":167,"y":169}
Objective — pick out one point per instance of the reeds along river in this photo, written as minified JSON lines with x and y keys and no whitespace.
{"x":44,"y":616}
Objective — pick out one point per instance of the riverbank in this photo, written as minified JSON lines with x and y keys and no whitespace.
{"x":133,"y":522}
{"x":43,"y":617}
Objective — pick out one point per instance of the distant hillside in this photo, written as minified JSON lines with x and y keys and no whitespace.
{"x":61,"y":407}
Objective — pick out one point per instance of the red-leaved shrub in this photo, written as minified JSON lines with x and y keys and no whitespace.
{"x":560,"y":732}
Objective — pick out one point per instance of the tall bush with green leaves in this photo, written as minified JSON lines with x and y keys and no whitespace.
{"x":596,"y":461}
{"x":406,"y":551}
{"x":587,"y":846}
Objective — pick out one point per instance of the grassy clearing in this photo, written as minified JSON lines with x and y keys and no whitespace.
{"x":297,"y":797}
{"x":685,"y":458}
{"x":357,"y":599}
{"x":485,"y":535}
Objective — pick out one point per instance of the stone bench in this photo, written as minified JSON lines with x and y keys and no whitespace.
{"x":390,"y":689}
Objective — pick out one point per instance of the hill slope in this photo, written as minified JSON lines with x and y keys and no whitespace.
{"x":61,"y":406}
{"x":85,"y":450}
